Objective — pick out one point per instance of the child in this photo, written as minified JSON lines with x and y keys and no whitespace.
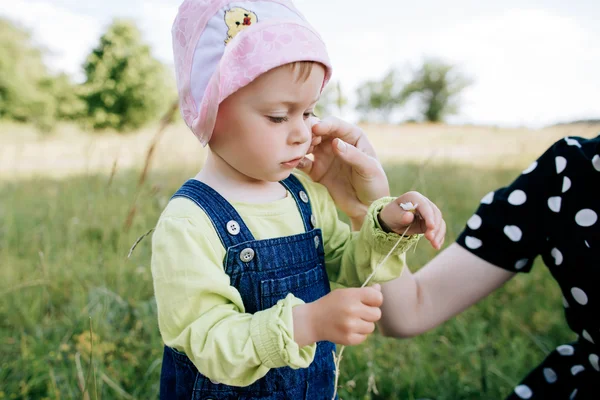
{"x":549,"y":210}
{"x":243,"y":253}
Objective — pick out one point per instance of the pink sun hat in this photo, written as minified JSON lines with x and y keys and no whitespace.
{"x":221,"y":46}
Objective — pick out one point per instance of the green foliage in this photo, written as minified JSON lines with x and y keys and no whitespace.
{"x":28,"y":93}
{"x":126,"y":86}
{"x":437,"y":85}
{"x":66,"y":98}
{"x":22,"y":73}
{"x":378,"y":99}
{"x":63,"y":253}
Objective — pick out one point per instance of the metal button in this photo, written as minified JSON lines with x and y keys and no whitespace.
{"x":247,"y":255}
{"x":313,"y":220}
{"x":317,"y":241}
{"x":214,"y":383}
{"x":233,"y":227}
{"x":303,"y":196}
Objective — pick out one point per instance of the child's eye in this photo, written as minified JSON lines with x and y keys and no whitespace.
{"x":307,"y":115}
{"x":277,"y":120}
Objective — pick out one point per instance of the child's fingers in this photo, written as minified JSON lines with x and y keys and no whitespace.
{"x":371,"y":314}
{"x":406,"y":218}
{"x":371,"y":297}
{"x":354,"y":339}
{"x":440,"y":227}
{"x":437,"y":215}
{"x":440,"y":235}
{"x":427,"y":214}
{"x":363,"y":327}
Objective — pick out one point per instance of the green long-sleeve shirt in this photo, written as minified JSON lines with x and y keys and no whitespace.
{"x":202,"y":315}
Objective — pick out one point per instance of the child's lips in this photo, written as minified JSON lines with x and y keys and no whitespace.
{"x":292,"y":163}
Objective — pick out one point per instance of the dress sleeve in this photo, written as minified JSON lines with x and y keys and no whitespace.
{"x":511,"y":225}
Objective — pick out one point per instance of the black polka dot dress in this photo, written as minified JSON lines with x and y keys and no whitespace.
{"x":552,"y":209}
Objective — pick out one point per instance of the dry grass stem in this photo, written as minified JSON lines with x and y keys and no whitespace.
{"x":337,"y":359}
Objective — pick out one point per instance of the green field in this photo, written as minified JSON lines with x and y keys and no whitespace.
{"x":77,"y":315}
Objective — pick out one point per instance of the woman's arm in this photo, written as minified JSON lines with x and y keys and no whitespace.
{"x":447,"y":285}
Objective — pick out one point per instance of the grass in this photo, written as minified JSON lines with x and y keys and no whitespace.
{"x":76,"y":315}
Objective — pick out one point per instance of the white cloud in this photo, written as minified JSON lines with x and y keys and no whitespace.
{"x":67,"y":36}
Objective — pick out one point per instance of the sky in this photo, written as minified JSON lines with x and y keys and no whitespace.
{"x":533,"y":62}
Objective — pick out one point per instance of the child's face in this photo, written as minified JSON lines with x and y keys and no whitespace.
{"x":264,"y":129}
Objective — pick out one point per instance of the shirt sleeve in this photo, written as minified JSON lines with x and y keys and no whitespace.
{"x":512,"y":224}
{"x":201,"y":314}
{"x":351,"y":257}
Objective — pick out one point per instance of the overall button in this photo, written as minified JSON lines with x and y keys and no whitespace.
{"x":313,"y":220}
{"x":233,"y":227}
{"x":303,"y":196}
{"x":214,"y":382}
{"x":247,"y":255}
{"x":317,"y":241}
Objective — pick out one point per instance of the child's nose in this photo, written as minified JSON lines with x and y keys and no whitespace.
{"x":301,"y":132}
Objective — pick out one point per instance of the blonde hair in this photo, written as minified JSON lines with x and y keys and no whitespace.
{"x":302,"y":69}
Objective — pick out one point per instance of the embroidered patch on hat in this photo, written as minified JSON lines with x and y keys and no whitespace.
{"x":238,"y":19}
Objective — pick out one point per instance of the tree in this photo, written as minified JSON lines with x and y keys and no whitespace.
{"x":437,"y":85}
{"x":67,"y":102}
{"x":125,"y":87}
{"x":378,"y":99}
{"x":22,"y":73}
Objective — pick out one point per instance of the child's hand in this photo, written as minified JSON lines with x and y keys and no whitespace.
{"x":344,"y":316}
{"x":426,"y":218}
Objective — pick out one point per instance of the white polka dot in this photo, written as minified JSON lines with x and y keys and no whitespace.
{"x":573,"y":394}
{"x":513,"y":232}
{"x":521,"y":263}
{"x":579,"y":296}
{"x":586,"y":335}
{"x":587,"y":244}
{"x":594,"y":361}
{"x":565,"y":302}
{"x":550,"y":375}
{"x":586,"y":217}
{"x":558,"y":257}
{"x":565,"y":350}
{"x":572,"y":142}
{"x":561,"y":164}
{"x":517,"y":198}
{"x":472,"y":242}
{"x":566,"y":184}
{"x":596,"y":162}
{"x":523,"y":391}
{"x":474,"y":222}
{"x":488,"y":198}
{"x":530,"y":168}
{"x":575,"y":369}
{"x":554,"y":203}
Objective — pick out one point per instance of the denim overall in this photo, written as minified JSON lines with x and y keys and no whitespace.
{"x":264,"y":272}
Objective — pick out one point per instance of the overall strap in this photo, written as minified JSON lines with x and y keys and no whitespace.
{"x":227,"y":222}
{"x":293,"y":185}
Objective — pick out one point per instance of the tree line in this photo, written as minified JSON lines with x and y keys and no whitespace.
{"x":125,"y":87}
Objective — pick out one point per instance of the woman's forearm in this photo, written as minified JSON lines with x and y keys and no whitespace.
{"x":447,"y":285}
